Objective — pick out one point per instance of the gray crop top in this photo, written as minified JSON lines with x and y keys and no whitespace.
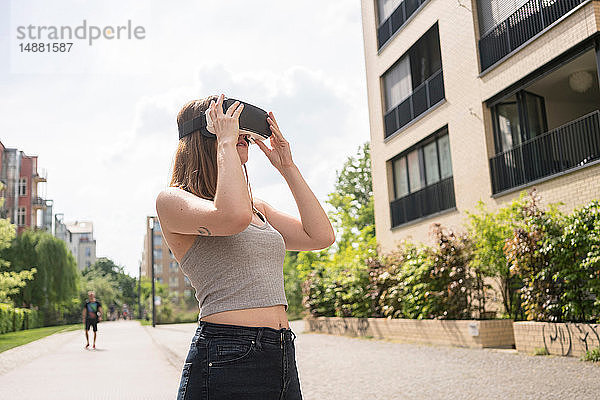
{"x":239,"y":271}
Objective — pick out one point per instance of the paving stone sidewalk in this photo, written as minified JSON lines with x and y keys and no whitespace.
{"x":125,"y":365}
{"x":135,"y":362}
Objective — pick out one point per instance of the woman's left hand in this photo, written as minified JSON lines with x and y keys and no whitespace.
{"x":281,"y":155}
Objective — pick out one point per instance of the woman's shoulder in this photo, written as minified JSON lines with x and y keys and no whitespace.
{"x":173,"y":194}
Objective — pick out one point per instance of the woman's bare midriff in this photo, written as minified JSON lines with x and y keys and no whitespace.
{"x":274,"y":317}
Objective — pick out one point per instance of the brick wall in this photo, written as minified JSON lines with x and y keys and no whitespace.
{"x":563,"y":339}
{"x":469,"y":333}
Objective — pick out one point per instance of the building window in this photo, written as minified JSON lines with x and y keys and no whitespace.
{"x":156,"y":225}
{"x":88,"y":264}
{"x":173,"y":266}
{"x":88,"y":252}
{"x":23,"y":186}
{"x":158,"y":268}
{"x":173,"y":281}
{"x":157,"y":254}
{"x":187,"y":281}
{"x":414,"y":84}
{"x":157,"y":239}
{"x":187,"y":293}
{"x":21,"y":213}
{"x":423,"y":183}
{"x":393,"y":15}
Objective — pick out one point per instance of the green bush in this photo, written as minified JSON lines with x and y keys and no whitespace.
{"x":15,"y":319}
{"x":336,"y":285}
{"x":592,"y":355}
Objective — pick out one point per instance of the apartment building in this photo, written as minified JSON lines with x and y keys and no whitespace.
{"x":166,"y":267}
{"x":478,"y":100}
{"x":23,"y":204}
{"x":79,"y":237}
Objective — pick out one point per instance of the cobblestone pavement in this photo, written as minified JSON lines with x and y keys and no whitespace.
{"x":125,"y":365}
{"x":330,"y":367}
{"x":338,"y":367}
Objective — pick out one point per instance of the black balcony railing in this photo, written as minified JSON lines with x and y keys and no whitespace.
{"x":430,"y":200}
{"x":529,"y":20}
{"x":425,"y":96}
{"x":574,"y":144}
{"x":38,"y":201}
{"x":396,"y":20}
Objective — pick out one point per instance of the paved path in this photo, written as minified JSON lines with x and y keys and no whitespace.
{"x":125,"y":365}
{"x":145,"y":363}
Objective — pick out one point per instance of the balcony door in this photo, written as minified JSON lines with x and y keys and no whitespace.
{"x":518,"y":120}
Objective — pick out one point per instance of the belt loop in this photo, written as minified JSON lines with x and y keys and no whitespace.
{"x":258,"y":336}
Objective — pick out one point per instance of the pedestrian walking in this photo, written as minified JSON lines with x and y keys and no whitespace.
{"x":232,"y":246}
{"x":92,"y":313}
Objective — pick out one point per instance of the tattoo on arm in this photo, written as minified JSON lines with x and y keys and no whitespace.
{"x":204,"y":231}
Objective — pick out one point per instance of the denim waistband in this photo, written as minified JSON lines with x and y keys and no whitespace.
{"x":259,"y":332}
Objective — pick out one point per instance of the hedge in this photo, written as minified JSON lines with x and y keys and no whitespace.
{"x":17,"y":319}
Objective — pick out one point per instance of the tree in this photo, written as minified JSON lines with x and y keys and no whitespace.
{"x":104,"y":273}
{"x":352,"y":198}
{"x":334,"y":283}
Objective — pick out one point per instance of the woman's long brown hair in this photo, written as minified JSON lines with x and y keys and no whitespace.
{"x":195,"y":163}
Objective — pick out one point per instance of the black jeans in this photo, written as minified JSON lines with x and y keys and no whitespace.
{"x":240,"y":362}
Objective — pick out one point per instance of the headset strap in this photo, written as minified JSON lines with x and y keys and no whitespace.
{"x":193,"y":125}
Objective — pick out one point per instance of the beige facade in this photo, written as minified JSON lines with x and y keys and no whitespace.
{"x":166,"y":267}
{"x":474,"y":109}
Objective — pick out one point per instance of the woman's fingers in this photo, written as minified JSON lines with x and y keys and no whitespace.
{"x":232,"y":108}
{"x":220,"y":103}
{"x":262,"y":146}
{"x":238,"y":110}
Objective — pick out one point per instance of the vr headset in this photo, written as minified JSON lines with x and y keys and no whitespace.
{"x":253,"y":122}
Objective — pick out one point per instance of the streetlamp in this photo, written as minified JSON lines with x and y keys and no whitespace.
{"x":152,"y":267}
{"x":140,"y":292}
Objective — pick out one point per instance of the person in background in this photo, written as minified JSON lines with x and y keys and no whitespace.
{"x":92,"y":313}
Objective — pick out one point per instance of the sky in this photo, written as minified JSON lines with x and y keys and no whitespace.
{"x":102,"y":117}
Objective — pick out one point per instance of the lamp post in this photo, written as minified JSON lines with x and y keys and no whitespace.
{"x":140,"y":292}
{"x":152,"y":267}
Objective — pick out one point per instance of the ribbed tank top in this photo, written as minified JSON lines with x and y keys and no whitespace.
{"x":239,"y":271}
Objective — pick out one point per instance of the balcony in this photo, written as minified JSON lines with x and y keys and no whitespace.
{"x":425,"y":202}
{"x":424,"y":97}
{"x":549,"y":127}
{"x":570,"y":146}
{"x":524,"y":24}
{"x":397,"y":20}
{"x":38,"y":203}
{"x":41,"y":176}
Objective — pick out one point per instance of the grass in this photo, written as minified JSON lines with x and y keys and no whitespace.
{"x":14,"y":339}
{"x":592,"y":355}
{"x":540,"y":351}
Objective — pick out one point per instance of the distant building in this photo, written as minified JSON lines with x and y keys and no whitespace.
{"x":79,"y":237}
{"x":166,"y":267}
{"x":22,"y":203}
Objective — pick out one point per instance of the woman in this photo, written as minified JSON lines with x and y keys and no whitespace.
{"x":231,"y":247}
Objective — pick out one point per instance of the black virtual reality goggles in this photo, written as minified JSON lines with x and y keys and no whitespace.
{"x":253,"y":122}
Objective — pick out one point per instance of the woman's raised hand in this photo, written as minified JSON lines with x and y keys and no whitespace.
{"x":280,"y":155}
{"x":227,"y":126}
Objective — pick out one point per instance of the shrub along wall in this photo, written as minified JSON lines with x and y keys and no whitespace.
{"x":547,"y":264}
{"x":16,"y":319}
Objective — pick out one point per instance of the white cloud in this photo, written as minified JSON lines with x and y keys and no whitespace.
{"x":107,"y":140}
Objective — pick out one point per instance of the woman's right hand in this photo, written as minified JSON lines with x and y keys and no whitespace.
{"x":227,"y":126}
